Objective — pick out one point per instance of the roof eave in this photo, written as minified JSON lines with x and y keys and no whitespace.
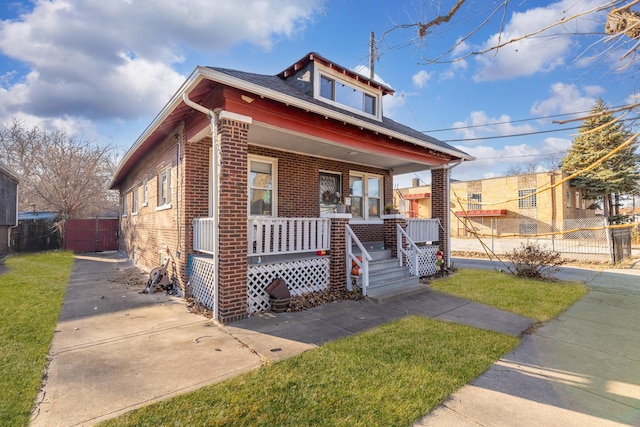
{"x":293,"y":101}
{"x":169,"y":107}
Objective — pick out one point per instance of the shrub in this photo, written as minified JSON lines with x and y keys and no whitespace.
{"x":535,"y":261}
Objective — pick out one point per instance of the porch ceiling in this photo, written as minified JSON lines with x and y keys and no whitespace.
{"x":267,"y":136}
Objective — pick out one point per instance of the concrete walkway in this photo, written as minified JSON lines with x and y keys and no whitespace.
{"x":116,"y":350}
{"x":581,"y":369}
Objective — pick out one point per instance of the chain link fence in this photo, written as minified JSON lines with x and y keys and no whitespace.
{"x":583,"y":238}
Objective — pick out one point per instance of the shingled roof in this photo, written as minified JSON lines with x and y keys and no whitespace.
{"x":281,"y":85}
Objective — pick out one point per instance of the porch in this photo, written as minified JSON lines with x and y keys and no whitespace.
{"x":315,"y":254}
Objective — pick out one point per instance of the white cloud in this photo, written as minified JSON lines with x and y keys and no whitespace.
{"x":421,"y":78}
{"x":565,"y":99}
{"x":116,"y":59}
{"x":495,"y":161}
{"x":542,"y":52}
{"x":478,"y":125}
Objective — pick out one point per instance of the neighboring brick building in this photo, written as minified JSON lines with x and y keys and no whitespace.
{"x":9,"y":181}
{"x":521,"y":204}
{"x":291,"y":153}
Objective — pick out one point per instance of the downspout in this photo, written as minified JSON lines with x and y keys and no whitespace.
{"x":215,"y":214}
{"x":449,"y":166}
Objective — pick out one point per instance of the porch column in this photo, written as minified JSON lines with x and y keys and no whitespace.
{"x":232,"y":263}
{"x":338,"y":254}
{"x":440,"y":208}
{"x":390,"y":231}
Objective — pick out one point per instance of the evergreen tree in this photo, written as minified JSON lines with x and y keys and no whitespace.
{"x":617,"y":175}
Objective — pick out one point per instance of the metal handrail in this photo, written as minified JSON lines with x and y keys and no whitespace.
{"x":350,"y":238}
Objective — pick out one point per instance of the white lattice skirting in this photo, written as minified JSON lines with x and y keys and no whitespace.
{"x":309,"y":275}
{"x":426,"y":261}
{"x":301,"y":276}
{"x":201,"y":281}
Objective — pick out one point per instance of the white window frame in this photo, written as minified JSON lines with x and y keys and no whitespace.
{"x":145,"y":193}
{"x":365,"y":196}
{"x":125,"y":205}
{"x":164,"y":200}
{"x":474,"y":201}
{"x":331,"y":74}
{"x":527,"y":198}
{"x":332,"y":205}
{"x":274,"y":183}
{"x":134,"y":201}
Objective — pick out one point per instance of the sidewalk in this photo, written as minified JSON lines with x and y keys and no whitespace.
{"x":580,"y":369}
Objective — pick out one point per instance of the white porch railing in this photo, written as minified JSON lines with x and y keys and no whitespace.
{"x":276,"y":236}
{"x":421,"y":260}
{"x":271,"y":236}
{"x":362,"y":262}
{"x":423,"y":230}
{"x":203,"y":235}
{"x":412,"y":252}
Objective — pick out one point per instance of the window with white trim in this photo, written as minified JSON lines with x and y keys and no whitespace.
{"x":333,"y":88}
{"x":134,"y":201}
{"x":145,"y":193}
{"x":474,"y":201}
{"x":262,"y":186}
{"x":365,"y":191}
{"x":330,"y":184}
{"x":164,"y":188}
{"x":577,"y":199}
{"x":527,"y":198}
{"x":125,"y":206}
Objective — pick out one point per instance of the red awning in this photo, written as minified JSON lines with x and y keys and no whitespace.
{"x":482,"y":212}
{"x":417,"y":196}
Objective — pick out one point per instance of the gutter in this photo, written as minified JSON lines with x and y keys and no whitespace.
{"x":307,"y":106}
{"x":215,"y":214}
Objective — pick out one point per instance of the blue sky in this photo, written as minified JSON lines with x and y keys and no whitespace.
{"x":101,"y":70}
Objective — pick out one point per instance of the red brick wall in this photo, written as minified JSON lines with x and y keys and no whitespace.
{"x":233,"y":221}
{"x":440,"y":205}
{"x":337,"y":266}
{"x":369,"y":232}
{"x":150,"y":234}
{"x":298,"y":180}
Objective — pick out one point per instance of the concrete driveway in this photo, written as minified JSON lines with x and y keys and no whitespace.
{"x":116,"y":349}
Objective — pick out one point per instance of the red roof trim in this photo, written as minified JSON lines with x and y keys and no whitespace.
{"x":417,"y":196}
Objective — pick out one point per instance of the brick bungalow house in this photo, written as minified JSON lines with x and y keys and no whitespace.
{"x":9,"y":181}
{"x":297,"y":173}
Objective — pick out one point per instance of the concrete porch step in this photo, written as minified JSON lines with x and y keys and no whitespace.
{"x":387,"y":280}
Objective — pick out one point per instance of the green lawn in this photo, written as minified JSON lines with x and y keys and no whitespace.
{"x":388,"y":376}
{"x":31,"y":294}
{"x":535,"y":299}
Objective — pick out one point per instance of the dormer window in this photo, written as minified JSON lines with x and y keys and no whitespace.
{"x":348,"y":96}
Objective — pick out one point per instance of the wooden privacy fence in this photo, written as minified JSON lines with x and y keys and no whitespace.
{"x":91,"y":235}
